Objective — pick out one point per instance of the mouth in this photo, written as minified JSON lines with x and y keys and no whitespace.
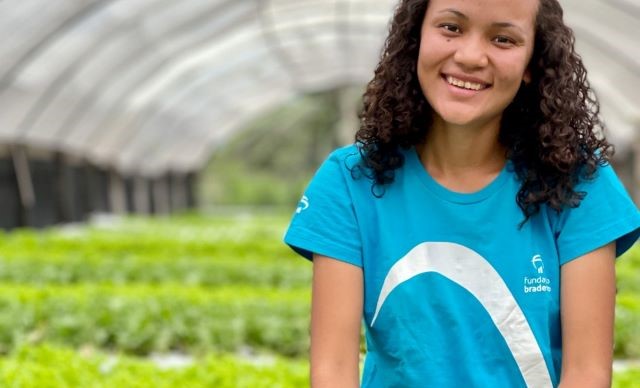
{"x":465,"y":84}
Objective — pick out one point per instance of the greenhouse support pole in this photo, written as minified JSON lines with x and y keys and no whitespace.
{"x":84,"y":171}
{"x":190,"y":185}
{"x":141,"y":195}
{"x":161,"y":195}
{"x":63,"y":202}
{"x":178,"y":192}
{"x":24,"y":181}
{"x":117,"y":195}
{"x":98,"y":189}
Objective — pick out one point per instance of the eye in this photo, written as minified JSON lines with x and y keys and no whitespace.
{"x":451,"y":28}
{"x":504,"y":40}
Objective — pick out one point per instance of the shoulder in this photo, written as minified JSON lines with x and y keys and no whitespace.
{"x":347,"y":157}
{"x":603,"y":185}
{"x":325,"y":221}
{"x":344,"y":163}
{"x":603,"y":191}
{"x":603,"y":178}
{"x":606,"y":213}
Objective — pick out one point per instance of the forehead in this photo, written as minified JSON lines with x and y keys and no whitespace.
{"x":521,"y":12}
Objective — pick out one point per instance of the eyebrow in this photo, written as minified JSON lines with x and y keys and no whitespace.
{"x":455,"y":12}
{"x":496,"y":24}
{"x":507,"y":25}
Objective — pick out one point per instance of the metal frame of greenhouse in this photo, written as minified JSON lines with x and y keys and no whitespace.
{"x":116,"y":105}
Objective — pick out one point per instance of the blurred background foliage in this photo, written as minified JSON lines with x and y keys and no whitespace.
{"x":270,"y":161}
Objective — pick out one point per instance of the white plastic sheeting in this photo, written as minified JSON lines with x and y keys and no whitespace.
{"x":149,"y":86}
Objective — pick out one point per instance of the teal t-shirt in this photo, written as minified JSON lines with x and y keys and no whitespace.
{"x":455,"y":293}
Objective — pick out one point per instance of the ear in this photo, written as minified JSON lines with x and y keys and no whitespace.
{"x":526,"y":77}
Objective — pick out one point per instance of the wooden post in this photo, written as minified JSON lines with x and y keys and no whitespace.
{"x":190,"y":185}
{"x":141,"y":195}
{"x":117,"y":194}
{"x":24,"y":181}
{"x":178,"y":192}
{"x":161,"y":195}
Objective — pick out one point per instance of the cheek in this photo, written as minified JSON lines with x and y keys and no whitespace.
{"x":432,"y":51}
{"x":512,"y":72}
{"x":424,"y":58}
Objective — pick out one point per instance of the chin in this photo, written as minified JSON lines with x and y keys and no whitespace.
{"x":459,"y":118}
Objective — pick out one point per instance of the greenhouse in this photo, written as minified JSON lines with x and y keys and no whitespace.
{"x":152,"y":152}
{"x":117,"y":105}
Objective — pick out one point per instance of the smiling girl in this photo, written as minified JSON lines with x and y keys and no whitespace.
{"x":473,"y":226}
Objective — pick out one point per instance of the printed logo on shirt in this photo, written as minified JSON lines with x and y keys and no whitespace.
{"x":303,"y":205}
{"x":538,"y":264}
{"x":540,"y":283}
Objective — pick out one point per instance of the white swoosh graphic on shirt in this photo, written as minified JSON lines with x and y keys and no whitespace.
{"x":472,"y":271}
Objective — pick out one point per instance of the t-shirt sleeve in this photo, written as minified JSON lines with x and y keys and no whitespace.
{"x":605,"y":214}
{"x":325,"y":221}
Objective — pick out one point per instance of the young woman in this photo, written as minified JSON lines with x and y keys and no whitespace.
{"x":475,"y":222}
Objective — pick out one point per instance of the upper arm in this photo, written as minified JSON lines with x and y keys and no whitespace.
{"x":336,"y":313}
{"x":587,"y":314}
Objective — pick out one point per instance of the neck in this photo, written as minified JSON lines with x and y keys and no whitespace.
{"x":452,"y":149}
{"x":462,"y":158}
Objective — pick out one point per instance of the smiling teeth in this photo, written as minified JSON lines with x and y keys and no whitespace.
{"x":463,"y":84}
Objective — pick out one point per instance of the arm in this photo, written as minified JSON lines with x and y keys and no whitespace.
{"x":587,"y":298}
{"x":336,"y":312}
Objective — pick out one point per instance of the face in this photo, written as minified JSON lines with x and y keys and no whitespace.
{"x":474,"y":56}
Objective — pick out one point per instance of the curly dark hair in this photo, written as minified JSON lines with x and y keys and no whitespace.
{"x":551,"y":130}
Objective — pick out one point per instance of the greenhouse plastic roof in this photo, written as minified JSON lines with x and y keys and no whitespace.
{"x":147,"y":86}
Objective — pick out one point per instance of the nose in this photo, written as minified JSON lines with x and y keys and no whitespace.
{"x":471,"y":53}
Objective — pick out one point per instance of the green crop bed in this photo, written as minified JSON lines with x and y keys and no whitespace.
{"x":627,"y":379}
{"x":187,"y":250}
{"x":56,"y":367}
{"x":142,"y":268}
{"x":71,"y":298}
{"x":140,"y":319}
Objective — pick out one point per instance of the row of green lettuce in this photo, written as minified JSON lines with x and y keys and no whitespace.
{"x":147,"y":269}
{"x":140,"y":319}
{"x":240,"y":250}
{"x":59,"y":367}
{"x":193,"y":250}
{"x":243,"y":236}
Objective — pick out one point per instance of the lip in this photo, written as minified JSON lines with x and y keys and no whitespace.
{"x":463,"y":93}
{"x":466,"y":78}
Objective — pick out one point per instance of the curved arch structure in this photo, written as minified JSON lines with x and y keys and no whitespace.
{"x":147,"y":87}
{"x":111,"y":80}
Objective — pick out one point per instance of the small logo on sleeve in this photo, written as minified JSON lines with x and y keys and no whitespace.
{"x":303,"y":205}
{"x":540,"y":283}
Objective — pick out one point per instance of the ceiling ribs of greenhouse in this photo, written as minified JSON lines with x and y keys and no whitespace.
{"x":149,"y":86}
